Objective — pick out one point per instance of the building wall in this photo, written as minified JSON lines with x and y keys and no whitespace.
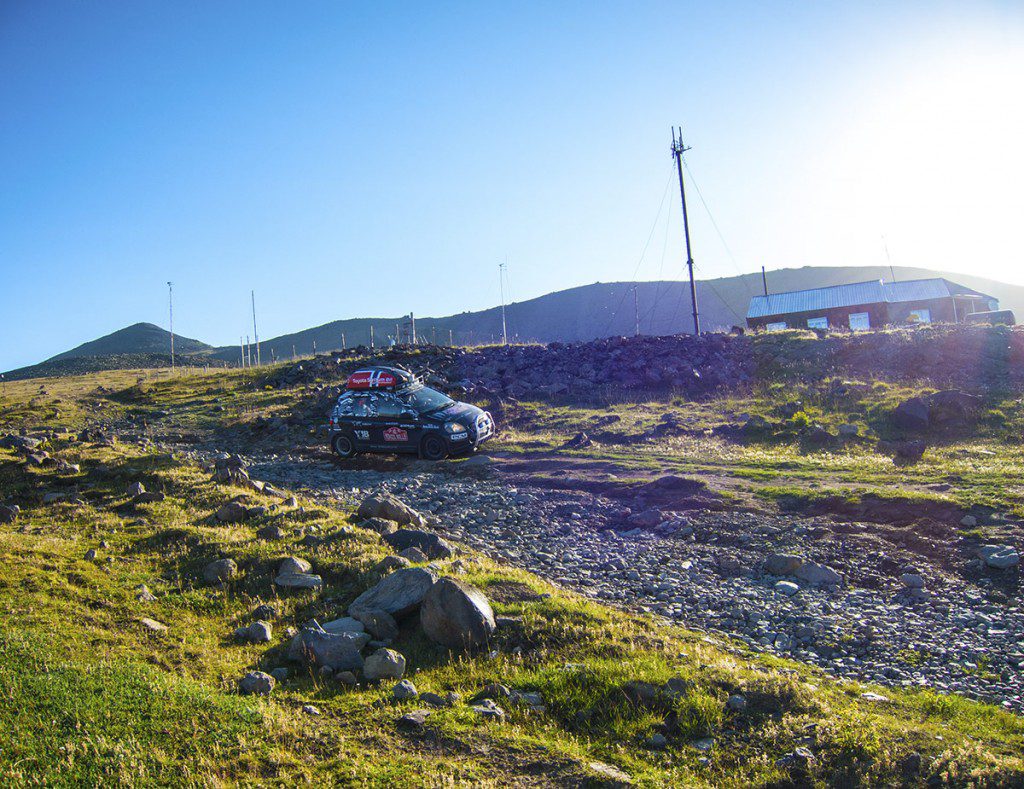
{"x":838,"y":318}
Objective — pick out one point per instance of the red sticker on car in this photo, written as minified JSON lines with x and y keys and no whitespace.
{"x":395,"y":434}
{"x":371,"y":379}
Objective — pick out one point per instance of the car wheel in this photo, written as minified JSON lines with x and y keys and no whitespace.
{"x":344,"y":446}
{"x":433,"y":447}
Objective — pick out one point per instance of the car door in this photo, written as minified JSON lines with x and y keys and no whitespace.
{"x":392,"y":430}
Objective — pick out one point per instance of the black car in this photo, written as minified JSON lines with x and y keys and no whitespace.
{"x":388,"y":409}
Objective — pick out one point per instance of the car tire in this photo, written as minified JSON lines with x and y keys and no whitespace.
{"x":344,"y":446}
{"x":433,"y":447}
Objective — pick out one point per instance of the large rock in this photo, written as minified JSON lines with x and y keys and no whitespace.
{"x":220,"y":571}
{"x":257,"y":683}
{"x":782,"y":564}
{"x":818,"y":574}
{"x":337,"y":651}
{"x":456,"y":615}
{"x":999,"y":557}
{"x":431,"y":544}
{"x":379,"y":624}
{"x":233,"y":512}
{"x":952,"y":408}
{"x":912,"y":414}
{"x":293,"y":564}
{"x":8,"y":514}
{"x":299,"y":581}
{"x":384,"y":664}
{"x":389,"y":508}
{"x":398,"y":594}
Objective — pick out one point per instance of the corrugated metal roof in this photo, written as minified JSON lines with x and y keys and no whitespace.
{"x":872,"y":292}
{"x":816,"y":299}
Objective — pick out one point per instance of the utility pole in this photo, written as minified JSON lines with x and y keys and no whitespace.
{"x":293,"y":352}
{"x":678,"y":149}
{"x":241,"y":351}
{"x":764,"y":280}
{"x":255,"y":334}
{"x":412,"y":326}
{"x":501,"y":286}
{"x":636,"y":312}
{"x":343,"y":346}
{"x":451,"y":337}
{"x":248,"y":351}
{"x":371,"y":336}
{"x":170,"y":313}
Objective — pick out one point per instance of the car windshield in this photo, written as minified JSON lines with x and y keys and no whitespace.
{"x":426,"y":399}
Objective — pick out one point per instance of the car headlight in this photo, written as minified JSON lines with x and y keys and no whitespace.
{"x":455,"y":428}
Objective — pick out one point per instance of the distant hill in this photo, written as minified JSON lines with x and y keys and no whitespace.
{"x":582,"y":313}
{"x":605,"y":309}
{"x":134,"y":339}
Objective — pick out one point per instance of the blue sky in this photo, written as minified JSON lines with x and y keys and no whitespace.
{"x":351,"y":159}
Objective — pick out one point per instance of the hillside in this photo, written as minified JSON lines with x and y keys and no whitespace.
{"x":712,"y":588}
{"x":577,"y":314}
{"x":139,"y":338}
{"x":607,"y":309}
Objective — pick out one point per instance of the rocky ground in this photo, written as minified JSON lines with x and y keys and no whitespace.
{"x":851,"y":598}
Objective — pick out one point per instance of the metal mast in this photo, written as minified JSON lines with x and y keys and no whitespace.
{"x":678,"y":149}
{"x":170,"y":314}
{"x":501,"y":287}
{"x":255,"y":334}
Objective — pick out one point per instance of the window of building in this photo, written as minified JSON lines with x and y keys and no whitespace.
{"x":860,"y":321}
{"x":817,"y":323}
{"x":922,"y":315}
{"x":777,"y":326}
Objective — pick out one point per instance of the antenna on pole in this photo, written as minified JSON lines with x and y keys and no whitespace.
{"x":636,"y":312}
{"x":170,"y":315}
{"x":885,"y":244}
{"x":255,"y":334}
{"x":501,"y":287}
{"x":678,"y":149}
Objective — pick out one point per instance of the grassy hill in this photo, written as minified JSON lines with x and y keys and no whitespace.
{"x":139,"y":338}
{"x":119,"y":665}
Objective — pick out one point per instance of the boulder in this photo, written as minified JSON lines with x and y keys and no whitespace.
{"x":397,"y":594}
{"x":818,"y":574}
{"x":299,"y":581}
{"x":431,"y":544}
{"x":787,"y":588}
{"x":344,"y":625}
{"x":782,"y":564}
{"x":384,"y":664}
{"x":390,"y":563}
{"x":220,"y":571}
{"x":271,"y":532}
{"x":999,"y":557}
{"x":136,"y":489}
{"x":293,"y":564}
{"x":233,"y":512}
{"x":379,"y":624}
{"x":256,"y":633}
{"x":389,"y":508}
{"x":8,"y":514}
{"x":912,"y":414}
{"x":414,"y":721}
{"x":379,"y":525}
{"x":257,"y":683}
{"x":337,"y":651}
{"x":414,"y":555}
{"x":952,"y":408}
{"x":404,"y":691}
{"x":456,"y":615}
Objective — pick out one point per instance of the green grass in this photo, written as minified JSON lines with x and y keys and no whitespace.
{"x":91,"y":697}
